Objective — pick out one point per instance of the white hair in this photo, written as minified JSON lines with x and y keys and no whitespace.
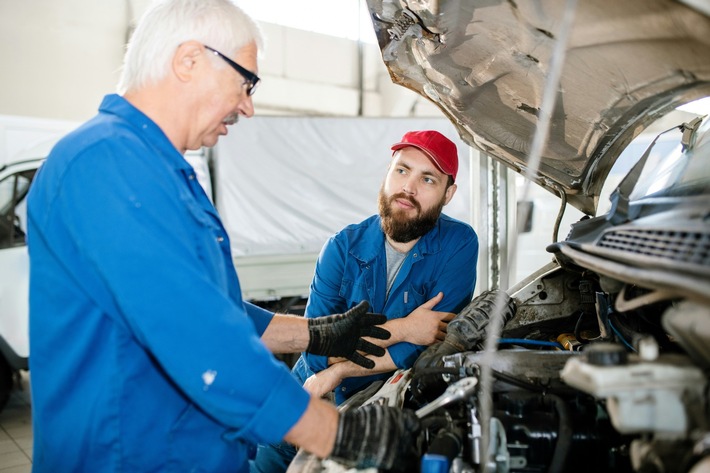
{"x":167,"y":24}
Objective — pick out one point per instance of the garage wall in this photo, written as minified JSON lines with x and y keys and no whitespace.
{"x":61,"y":56}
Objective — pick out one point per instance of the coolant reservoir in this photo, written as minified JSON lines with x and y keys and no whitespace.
{"x":662,"y":395}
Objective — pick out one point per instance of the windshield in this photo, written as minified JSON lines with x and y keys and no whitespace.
{"x":672,"y":169}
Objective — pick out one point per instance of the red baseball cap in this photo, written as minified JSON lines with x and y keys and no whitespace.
{"x":440,"y":149}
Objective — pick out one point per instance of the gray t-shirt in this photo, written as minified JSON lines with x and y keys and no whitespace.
{"x":395,"y":259}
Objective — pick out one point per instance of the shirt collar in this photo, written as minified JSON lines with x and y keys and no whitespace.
{"x":367,"y":248}
{"x":114,"y":104}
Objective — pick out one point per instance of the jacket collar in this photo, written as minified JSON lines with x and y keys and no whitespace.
{"x":114,"y":104}
{"x":367,"y":248}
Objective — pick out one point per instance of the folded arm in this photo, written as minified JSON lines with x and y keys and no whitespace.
{"x":323,"y":382}
{"x":423,"y":326}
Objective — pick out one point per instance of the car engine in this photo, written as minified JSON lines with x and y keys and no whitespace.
{"x":597,"y":362}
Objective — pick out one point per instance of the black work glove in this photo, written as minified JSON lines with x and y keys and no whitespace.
{"x":468,"y":330}
{"x":376,"y":436}
{"x":341,"y":335}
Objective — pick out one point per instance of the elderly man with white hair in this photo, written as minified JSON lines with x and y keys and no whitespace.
{"x":144,"y":357}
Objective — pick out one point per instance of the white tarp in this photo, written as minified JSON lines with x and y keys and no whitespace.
{"x":28,"y":138}
{"x":285,"y":184}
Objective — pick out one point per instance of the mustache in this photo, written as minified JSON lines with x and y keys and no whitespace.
{"x":231,"y":119}
{"x":403,"y":196}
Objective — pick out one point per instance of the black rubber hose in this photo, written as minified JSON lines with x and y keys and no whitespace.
{"x":564,"y":435}
{"x":447,"y":443}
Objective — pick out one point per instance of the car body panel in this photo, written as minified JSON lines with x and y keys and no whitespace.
{"x":14,"y":293}
{"x":14,"y":262}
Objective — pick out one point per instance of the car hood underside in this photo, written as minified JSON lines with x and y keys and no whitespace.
{"x":485,"y":63}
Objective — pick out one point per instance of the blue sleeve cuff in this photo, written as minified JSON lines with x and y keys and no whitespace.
{"x":316,"y":362}
{"x":261,"y":318}
{"x":280,"y":411}
{"x":404,"y":354}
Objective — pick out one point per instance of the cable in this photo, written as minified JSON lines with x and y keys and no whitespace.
{"x":578,"y":328}
{"x":560,"y":213}
{"x":620,"y":336}
{"x":525,"y":341}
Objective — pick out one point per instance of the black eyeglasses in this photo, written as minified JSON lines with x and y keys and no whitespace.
{"x":251,"y":80}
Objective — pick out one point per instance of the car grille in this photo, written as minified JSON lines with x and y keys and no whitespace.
{"x":685,"y":247}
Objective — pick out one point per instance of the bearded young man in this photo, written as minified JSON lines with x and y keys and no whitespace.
{"x":410,"y":262}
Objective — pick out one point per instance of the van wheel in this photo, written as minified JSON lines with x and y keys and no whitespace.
{"x":6,"y":382}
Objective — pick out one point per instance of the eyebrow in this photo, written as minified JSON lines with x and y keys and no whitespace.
{"x":425,"y":173}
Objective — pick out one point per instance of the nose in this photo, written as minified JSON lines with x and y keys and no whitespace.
{"x":409,"y":186}
{"x":246,"y":106}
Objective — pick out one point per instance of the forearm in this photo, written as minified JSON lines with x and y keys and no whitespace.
{"x":316,"y":430}
{"x":286,"y":334}
{"x":423,"y":326}
{"x":324,"y":381}
{"x":406,"y":330}
{"x":397,"y":334}
{"x":348,"y":369}
{"x":397,"y":329}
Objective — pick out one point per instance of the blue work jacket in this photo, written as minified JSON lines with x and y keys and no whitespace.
{"x":352,"y":267}
{"x":143,"y":355}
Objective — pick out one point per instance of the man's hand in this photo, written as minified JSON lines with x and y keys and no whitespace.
{"x":424,"y":326}
{"x":340,"y":335}
{"x":376,"y":436}
{"x":324,"y":381}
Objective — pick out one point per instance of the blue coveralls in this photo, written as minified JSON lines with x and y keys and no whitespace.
{"x":143,"y":355}
{"x":352,"y":267}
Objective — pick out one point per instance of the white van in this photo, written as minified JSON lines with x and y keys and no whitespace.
{"x":15,"y":179}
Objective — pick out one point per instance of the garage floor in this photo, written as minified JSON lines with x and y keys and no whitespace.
{"x":16,"y":431}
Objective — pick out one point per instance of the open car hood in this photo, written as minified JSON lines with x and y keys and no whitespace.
{"x":484,"y":63}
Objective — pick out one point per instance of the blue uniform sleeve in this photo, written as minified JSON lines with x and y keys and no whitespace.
{"x":161,"y":260}
{"x":324,"y":298}
{"x":260,"y":316}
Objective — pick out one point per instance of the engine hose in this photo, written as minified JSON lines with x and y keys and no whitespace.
{"x":443,"y":449}
{"x":564,"y":435}
{"x":435,"y":423}
{"x":506,"y":378}
{"x":460,"y":372}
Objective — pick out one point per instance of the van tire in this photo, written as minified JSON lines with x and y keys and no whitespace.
{"x":6,"y":382}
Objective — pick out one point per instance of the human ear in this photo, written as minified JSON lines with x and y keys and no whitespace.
{"x":450,"y":193}
{"x":185,"y":60}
